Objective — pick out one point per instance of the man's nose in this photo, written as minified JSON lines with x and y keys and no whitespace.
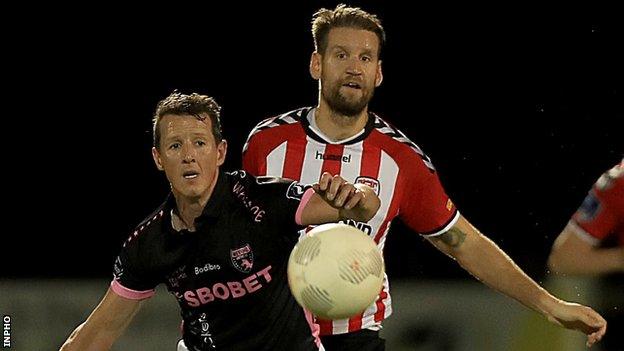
{"x":188,"y":154}
{"x":354,"y":67}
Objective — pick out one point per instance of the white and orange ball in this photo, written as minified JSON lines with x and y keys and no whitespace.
{"x":335,"y":271}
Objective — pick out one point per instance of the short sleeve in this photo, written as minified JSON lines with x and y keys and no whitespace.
{"x":425,"y":207}
{"x":129,"y":279}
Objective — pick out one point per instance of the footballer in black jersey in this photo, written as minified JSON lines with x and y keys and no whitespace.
{"x":220,"y":243}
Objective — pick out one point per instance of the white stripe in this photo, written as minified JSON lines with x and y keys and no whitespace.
{"x":275,"y":160}
{"x":311,"y":169}
{"x":351,"y":170}
{"x":340,"y":326}
{"x":581,"y":233}
{"x":446,"y":227}
{"x":289,"y":120}
{"x":388,"y":173}
{"x":382,"y":241}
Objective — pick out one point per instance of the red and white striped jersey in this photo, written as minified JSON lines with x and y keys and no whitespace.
{"x":380,"y":156}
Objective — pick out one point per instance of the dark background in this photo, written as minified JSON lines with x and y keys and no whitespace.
{"x":520,"y":115}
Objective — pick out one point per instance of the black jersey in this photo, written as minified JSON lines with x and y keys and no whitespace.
{"x":229,"y":276}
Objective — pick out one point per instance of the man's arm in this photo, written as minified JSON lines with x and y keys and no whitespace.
{"x":335,"y":199}
{"x":572,"y":255}
{"x":105,"y":324}
{"x":487,"y":262}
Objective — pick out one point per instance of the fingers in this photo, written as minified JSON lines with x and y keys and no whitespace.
{"x":335,"y":186}
{"x":323,"y":183}
{"x":337,"y":191}
{"x":598,"y":325}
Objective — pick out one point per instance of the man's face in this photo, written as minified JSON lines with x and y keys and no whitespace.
{"x":349,"y":70}
{"x":189,"y":155}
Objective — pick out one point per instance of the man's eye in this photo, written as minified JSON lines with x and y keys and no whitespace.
{"x":201,"y":142}
{"x":341,"y":55}
{"x":174,"y":146}
{"x":366,"y":58}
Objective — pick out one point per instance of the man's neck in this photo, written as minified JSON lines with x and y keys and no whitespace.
{"x":336,"y":126}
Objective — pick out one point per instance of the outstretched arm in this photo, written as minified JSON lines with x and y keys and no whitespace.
{"x":335,"y":199}
{"x":105,"y":324}
{"x":572,"y":255}
{"x":487,"y":262}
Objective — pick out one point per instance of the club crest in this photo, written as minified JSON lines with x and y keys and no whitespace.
{"x":242,"y":258}
{"x":372,"y":182}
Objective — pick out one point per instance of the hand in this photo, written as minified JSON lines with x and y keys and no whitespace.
{"x":337,"y":192}
{"x":579,"y":317}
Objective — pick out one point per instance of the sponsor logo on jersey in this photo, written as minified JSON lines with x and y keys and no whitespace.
{"x":208,"y":267}
{"x":342,"y":158}
{"x":449,"y":205}
{"x":296,"y":190}
{"x":118,"y":270}
{"x":242,"y":258}
{"x":226,"y":290}
{"x":372,"y":182}
{"x":589,"y":208}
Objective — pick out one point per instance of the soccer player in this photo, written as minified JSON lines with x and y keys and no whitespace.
{"x":592,"y":243}
{"x":341,"y":136}
{"x":220,"y":243}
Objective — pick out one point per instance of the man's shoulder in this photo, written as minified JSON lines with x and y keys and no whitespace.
{"x":241,"y":179}
{"x":149,"y":226}
{"x":396,"y":144}
{"x":288,"y":118}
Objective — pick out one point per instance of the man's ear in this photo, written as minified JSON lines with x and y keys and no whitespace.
{"x":157,"y":160}
{"x":221,"y":152}
{"x":315,"y":65}
{"x":378,"y":75}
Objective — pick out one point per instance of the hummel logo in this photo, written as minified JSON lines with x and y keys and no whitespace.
{"x":342,"y":158}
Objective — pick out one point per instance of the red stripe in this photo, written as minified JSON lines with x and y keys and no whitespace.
{"x":355,"y":323}
{"x":381,"y":308}
{"x":326,"y":327}
{"x":295,"y":152}
{"x":332,"y":162}
{"x":371,"y":157}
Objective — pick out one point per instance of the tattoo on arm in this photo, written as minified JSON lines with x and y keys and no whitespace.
{"x":453,"y":237}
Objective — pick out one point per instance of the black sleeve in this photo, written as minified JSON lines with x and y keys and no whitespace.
{"x":282,"y":198}
{"x":130,"y":279}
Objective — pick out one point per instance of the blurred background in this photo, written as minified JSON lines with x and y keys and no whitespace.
{"x":520,"y":113}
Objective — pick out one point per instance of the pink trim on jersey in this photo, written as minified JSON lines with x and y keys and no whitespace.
{"x":313,"y":327}
{"x":304,"y":201}
{"x":129,"y":293}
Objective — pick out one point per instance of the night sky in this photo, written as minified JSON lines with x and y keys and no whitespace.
{"x":519,"y":115}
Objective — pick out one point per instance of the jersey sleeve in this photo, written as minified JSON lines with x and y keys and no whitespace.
{"x":252,"y":158}
{"x":285,"y":199}
{"x":598,"y":217}
{"x":425,"y":207}
{"x":130,"y":280}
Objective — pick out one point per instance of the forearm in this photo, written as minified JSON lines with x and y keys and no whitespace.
{"x":592,"y":262}
{"x":105,"y":324}
{"x":88,"y":339}
{"x":488,"y":263}
{"x":573,"y":255}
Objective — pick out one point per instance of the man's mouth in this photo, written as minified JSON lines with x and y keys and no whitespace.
{"x":352,"y":85}
{"x":190,"y":175}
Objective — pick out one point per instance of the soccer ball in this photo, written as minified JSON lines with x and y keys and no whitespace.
{"x":335,"y":271}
